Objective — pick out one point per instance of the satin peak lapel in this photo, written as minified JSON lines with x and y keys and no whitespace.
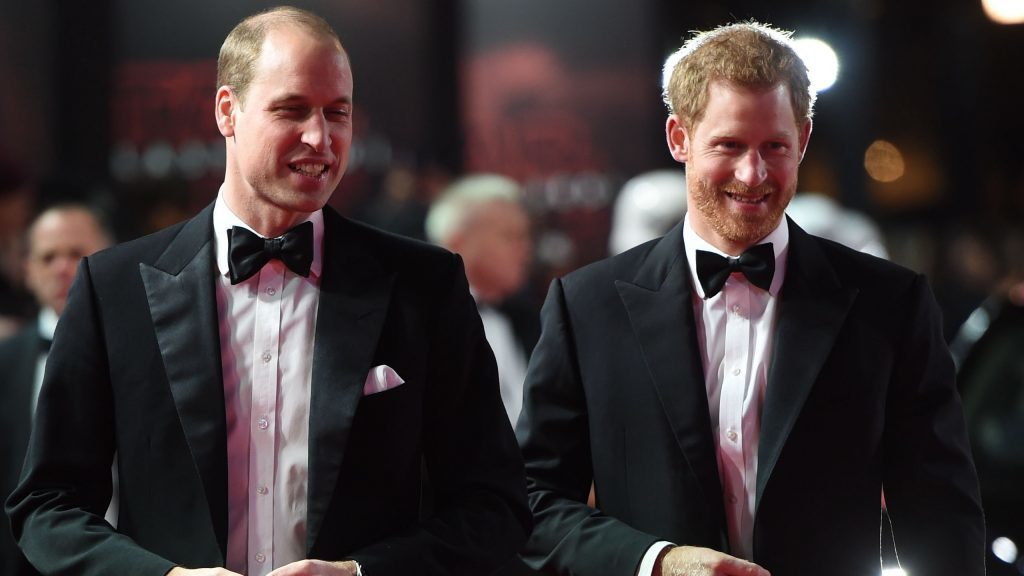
{"x":658,"y":303}
{"x":354,"y":295}
{"x":812,"y":310}
{"x":183,"y":305}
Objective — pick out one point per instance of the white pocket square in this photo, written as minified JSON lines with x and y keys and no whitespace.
{"x":381,"y":378}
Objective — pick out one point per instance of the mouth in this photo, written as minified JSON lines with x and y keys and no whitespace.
{"x":748,"y":198}
{"x":310,"y":169}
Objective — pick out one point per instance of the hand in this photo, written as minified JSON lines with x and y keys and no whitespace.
{"x":316,"y":568}
{"x":693,"y":561}
{"x":178,"y":571}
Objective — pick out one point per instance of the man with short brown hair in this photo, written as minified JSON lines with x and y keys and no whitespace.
{"x":738,"y":391}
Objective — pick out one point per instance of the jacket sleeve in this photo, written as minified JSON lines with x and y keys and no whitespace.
{"x":569,"y":537}
{"x":57,"y":510}
{"x":931,"y":488}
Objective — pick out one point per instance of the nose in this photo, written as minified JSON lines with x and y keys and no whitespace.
{"x":68,"y":265}
{"x":751,"y":169}
{"x":316,"y":133}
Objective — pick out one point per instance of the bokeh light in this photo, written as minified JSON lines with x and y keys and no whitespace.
{"x":884,"y":161}
{"x":821,"y":60}
{"x":1005,"y":549}
{"x":1004,"y":11}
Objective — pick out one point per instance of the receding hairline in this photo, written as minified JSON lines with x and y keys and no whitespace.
{"x":277,"y":18}
{"x":243,"y":46}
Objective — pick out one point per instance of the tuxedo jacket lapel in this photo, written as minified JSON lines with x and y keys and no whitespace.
{"x":660,"y":311}
{"x":182,"y":302}
{"x":812,"y":309}
{"x":354,"y":294}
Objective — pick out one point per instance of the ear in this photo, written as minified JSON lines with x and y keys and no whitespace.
{"x":456,"y":241}
{"x":805,"y":137}
{"x":225,"y":107}
{"x":677,"y":136}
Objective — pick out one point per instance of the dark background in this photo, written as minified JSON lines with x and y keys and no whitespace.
{"x":111,"y":101}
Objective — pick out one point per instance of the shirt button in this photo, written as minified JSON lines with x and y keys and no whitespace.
{"x":262,"y":490}
{"x":271,"y":291}
{"x":732,"y":500}
{"x":260,"y":557}
{"x":736,"y":372}
{"x":266,"y":357}
{"x":731,"y":435}
{"x":736,"y":308}
{"x":263,"y":423}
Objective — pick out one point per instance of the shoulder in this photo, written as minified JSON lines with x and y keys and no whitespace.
{"x":861,"y":269}
{"x":144,"y":249}
{"x":624,"y":266}
{"x":881,"y":285}
{"x":12,"y":347}
{"x":393,"y":253}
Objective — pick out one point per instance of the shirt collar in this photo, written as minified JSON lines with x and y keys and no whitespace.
{"x":224,"y":219}
{"x":780,"y":245}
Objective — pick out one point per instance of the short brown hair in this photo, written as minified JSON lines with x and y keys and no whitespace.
{"x":747,"y":54}
{"x":236,"y":63}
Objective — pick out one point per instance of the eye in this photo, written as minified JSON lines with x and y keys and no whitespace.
{"x":290,"y":110}
{"x":730,"y":146}
{"x":338,"y":113}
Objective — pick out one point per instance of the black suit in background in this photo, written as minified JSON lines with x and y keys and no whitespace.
{"x":424,"y":478}
{"x":19,"y":357}
{"x":860,"y":393}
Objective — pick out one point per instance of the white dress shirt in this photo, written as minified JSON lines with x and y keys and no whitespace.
{"x":267,"y":325}
{"x":47,"y":325}
{"x":735,"y":331}
{"x":509,"y":356}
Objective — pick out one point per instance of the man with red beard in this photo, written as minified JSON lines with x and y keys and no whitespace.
{"x":738,"y":391}
{"x":287,"y":392}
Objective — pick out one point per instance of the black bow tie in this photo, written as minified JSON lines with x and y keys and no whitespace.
{"x":44,"y":344}
{"x":757,"y":264}
{"x":247,"y":252}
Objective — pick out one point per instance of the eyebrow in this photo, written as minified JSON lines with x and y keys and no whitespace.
{"x":301,"y":98}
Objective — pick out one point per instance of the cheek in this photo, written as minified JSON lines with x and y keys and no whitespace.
{"x":715,"y":171}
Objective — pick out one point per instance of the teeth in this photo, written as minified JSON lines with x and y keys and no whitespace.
{"x":310,"y":169}
{"x":747,"y":200}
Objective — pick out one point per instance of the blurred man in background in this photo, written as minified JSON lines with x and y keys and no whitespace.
{"x":56,"y":241}
{"x":482,"y":218}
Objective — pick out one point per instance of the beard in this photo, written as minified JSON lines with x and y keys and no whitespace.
{"x":712,"y":203}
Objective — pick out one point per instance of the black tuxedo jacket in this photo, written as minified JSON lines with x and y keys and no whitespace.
{"x":860,"y":393}
{"x":19,"y":357}
{"x":424,"y":478}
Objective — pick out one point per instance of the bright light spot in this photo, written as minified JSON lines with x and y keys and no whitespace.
{"x":669,"y":67}
{"x":894,"y":572}
{"x":884,"y":161}
{"x":821,"y":60}
{"x":1005,"y":549}
{"x":1004,"y":11}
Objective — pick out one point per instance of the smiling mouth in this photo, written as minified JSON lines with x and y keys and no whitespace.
{"x":758,"y":199}
{"x":312,"y":170}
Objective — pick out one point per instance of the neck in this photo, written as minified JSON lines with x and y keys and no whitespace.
{"x":266,"y":221}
